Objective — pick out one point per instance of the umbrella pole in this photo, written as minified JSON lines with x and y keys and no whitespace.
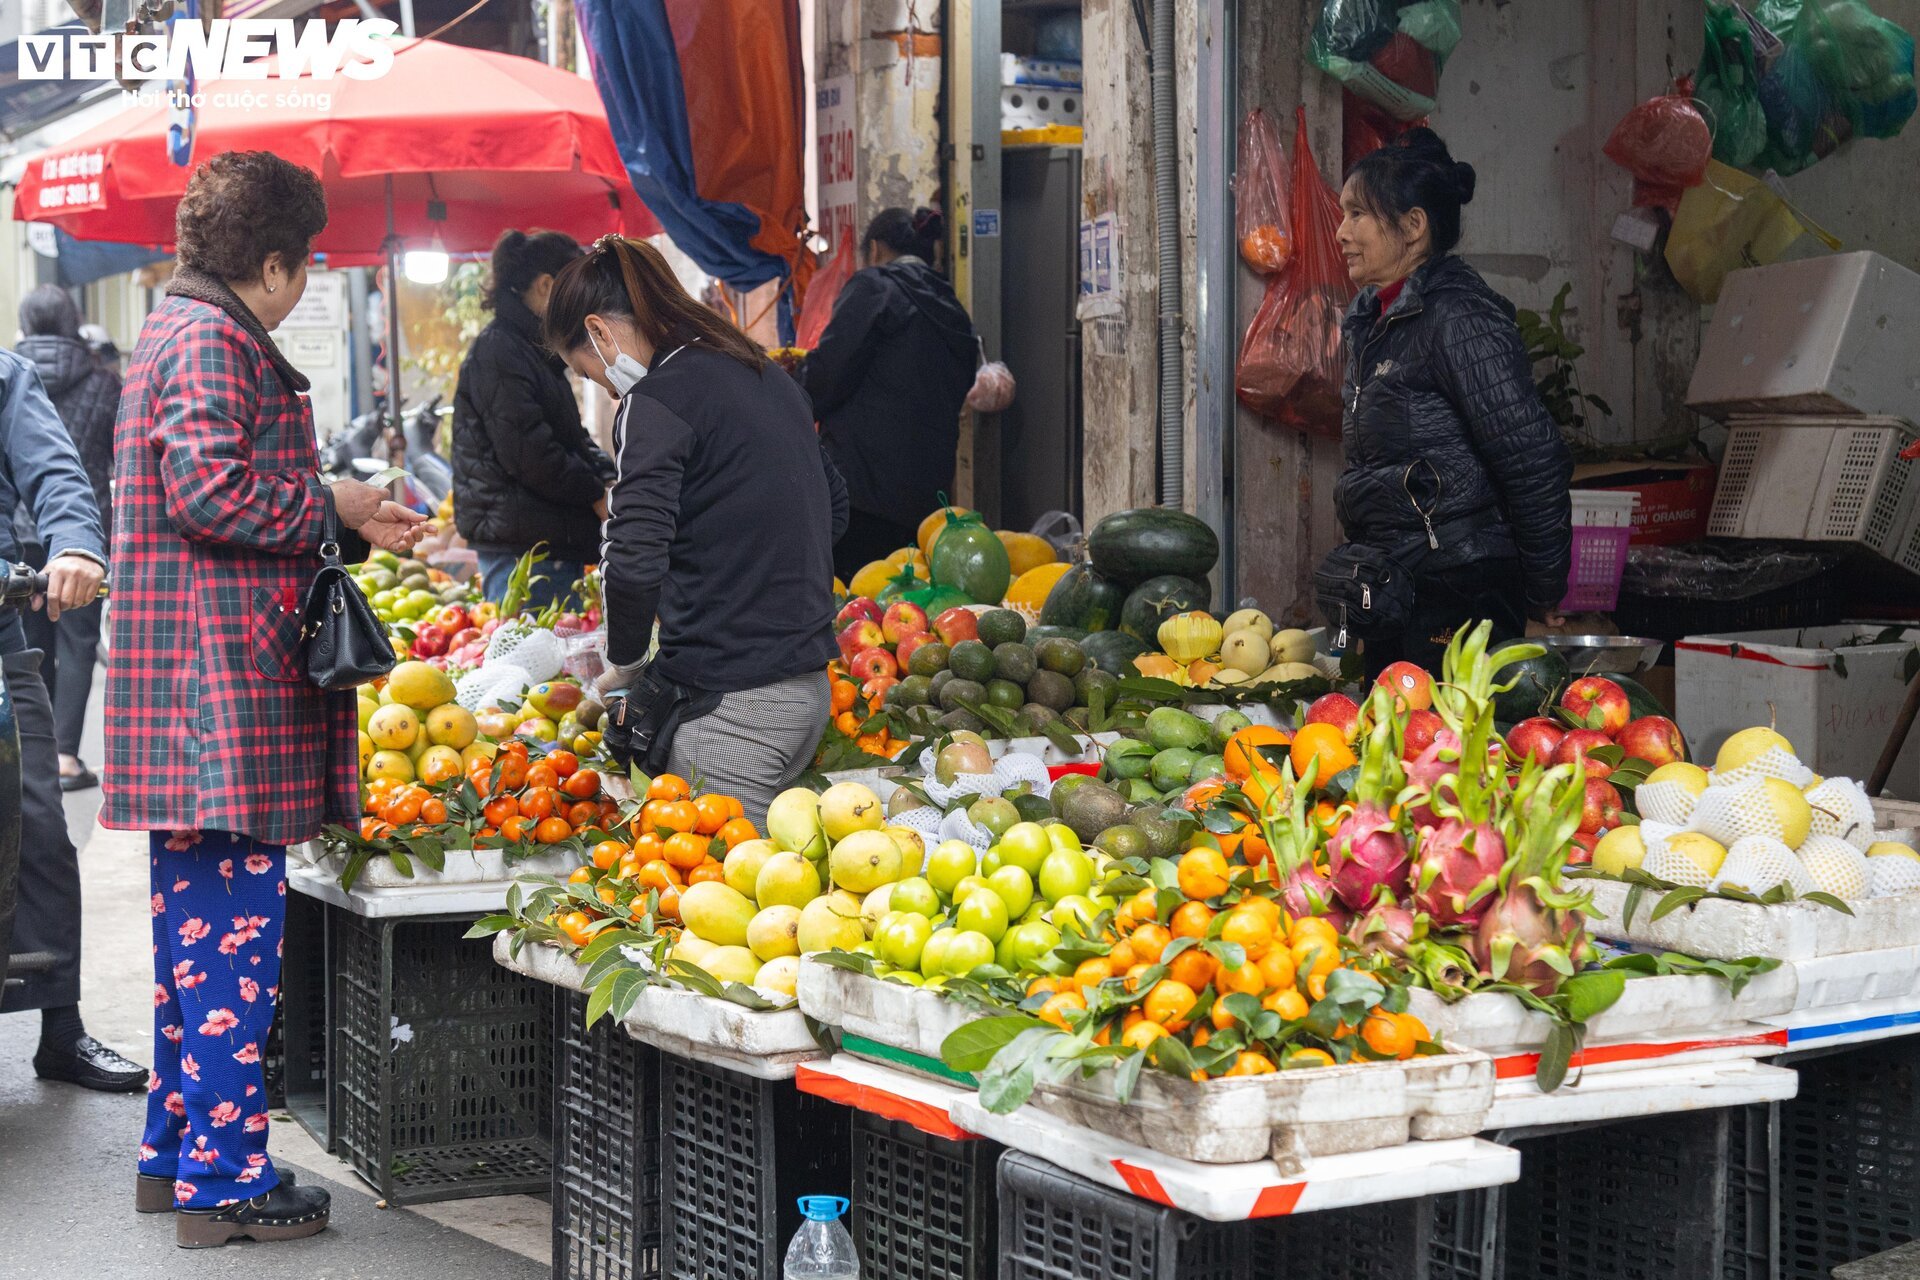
{"x":396,"y":438}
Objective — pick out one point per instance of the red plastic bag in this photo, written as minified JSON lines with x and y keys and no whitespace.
{"x":823,"y":292}
{"x":1260,"y":197}
{"x":1665,"y":144}
{"x":1365,"y":128}
{"x":1291,"y":359}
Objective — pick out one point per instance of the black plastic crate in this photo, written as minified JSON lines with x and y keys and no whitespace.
{"x":1850,"y":1158}
{"x":1643,"y":1200}
{"x":1751,"y":1247}
{"x":1055,"y":1225}
{"x":606,"y":1149}
{"x":923,"y":1206}
{"x":738,"y":1153}
{"x":1467,"y":1236}
{"x":441,"y":1063}
{"x":300,"y":1021}
{"x":1392,"y":1240}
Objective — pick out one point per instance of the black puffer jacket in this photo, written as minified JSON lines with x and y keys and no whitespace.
{"x":87,"y":398}
{"x":1443,"y":424}
{"x":888,"y":379}
{"x":524,"y":469}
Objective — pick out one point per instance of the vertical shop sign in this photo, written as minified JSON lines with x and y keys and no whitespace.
{"x":833,"y":117}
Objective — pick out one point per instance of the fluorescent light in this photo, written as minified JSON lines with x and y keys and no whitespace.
{"x":426,"y":266}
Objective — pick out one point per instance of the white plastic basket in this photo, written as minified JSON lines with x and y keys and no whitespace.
{"x":1821,"y":480}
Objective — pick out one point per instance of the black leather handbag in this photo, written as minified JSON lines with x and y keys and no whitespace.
{"x":346,"y":642}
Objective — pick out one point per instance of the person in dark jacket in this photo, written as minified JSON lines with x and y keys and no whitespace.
{"x":888,"y":379}
{"x":524,"y":469}
{"x":86,"y":395}
{"x":720,"y":526}
{"x":1452,"y":464}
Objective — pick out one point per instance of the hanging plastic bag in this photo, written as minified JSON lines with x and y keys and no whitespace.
{"x":1728,"y":89}
{"x":993,"y":388}
{"x":1387,"y":51}
{"x":1365,"y":128}
{"x":1260,"y":196}
{"x":1731,"y":220}
{"x":824,"y":292}
{"x":1843,"y":70}
{"x":1665,"y":144}
{"x":1291,"y":359}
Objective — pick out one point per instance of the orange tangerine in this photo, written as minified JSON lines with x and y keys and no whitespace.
{"x":1249,"y":927}
{"x":1246,"y":980}
{"x":1148,"y":941}
{"x":1191,"y":920}
{"x":1141,"y":1034}
{"x":1277,"y":968}
{"x":1309,"y":1058}
{"x":1169,"y":1003}
{"x":1193,"y":968}
{"x":1093,"y":972}
{"x":1242,"y":752}
{"x":1249,"y":1062}
{"x":1324,"y":743}
{"x":1385,"y":1034}
{"x":1286,"y":1002}
{"x":1203,"y":873}
{"x":1059,"y":1005}
{"x":1312,"y":927}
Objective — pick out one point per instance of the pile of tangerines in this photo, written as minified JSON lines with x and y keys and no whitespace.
{"x":523,"y":800}
{"x":851,"y":709}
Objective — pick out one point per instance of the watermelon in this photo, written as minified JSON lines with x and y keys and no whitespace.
{"x":1640,"y":698}
{"x":1133,"y":546}
{"x":1157,"y":599}
{"x":1537,"y":683}
{"x":1036,"y":634}
{"x":967,"y":556}
{"x":1113,"y":652}
{"x":1084,"y":599}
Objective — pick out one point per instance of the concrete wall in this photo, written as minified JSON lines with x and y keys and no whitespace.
{"x":892,"y":48}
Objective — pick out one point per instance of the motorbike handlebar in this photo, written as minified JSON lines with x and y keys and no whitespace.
{"x":24,"y":582}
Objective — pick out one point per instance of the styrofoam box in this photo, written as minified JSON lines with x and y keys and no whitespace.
{"x":1037,"y":107}
{"x":1792,"y":679}
{"x":1830,"y":335}
{"x":889,"y":1013}
{"x":1721,"y":929}
{"x":463,"y":866}
{"x":1818,"y":479}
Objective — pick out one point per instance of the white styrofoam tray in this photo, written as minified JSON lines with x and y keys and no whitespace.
{"x":474,"y":899}
{"x":1674,"y":1008}
{"x":1720,"y":928}
{"x":1648,"y":1091}
{"x":888,"y":1013}
{"x":1257,"y":1189}
{"x":463,"y":866}
{"x":925,"y":1104}
{"x":764,"y":1044}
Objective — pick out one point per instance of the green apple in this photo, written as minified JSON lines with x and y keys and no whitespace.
{"x":908,"y":976}
{"x":933,"y":952}
{"x":1063,"y":836}
{"x":983,"y":913}
{"x":915,"y":895}
{"x":1015,"y":888}
{"x":990,"y":863}
{"x":949,"y":863}
{"x":1021,"y":949}
{"x":1065,"y":874}
{"x":1026,"y":845}
{"x":968,"y":951}
{"x":1037,"y":910}
{"x":1076,"y":908}
{"x":901,"y":937}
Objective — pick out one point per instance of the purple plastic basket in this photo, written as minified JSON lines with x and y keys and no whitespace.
{"x":1599,"y":561}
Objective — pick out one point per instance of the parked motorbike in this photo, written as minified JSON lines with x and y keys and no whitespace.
{"x":359,"y":451}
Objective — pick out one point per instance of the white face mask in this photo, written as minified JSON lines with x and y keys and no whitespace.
{"x":624,"y":373}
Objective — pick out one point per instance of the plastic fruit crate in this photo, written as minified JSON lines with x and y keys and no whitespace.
{"x":1467,"y":1236}
{"x":1602,"y":528}
{"x":301,"y":1019}
{"x":441,"y":1064}
{"x":738,"y":1153}
{"x":606,"y":1148}
{"x":1819,"y":480}
{"x":1850,"y":1157}
{"x":923,"y":1207}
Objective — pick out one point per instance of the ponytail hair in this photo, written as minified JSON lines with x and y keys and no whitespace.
{"x":629,"y":278}
{"x":913,"y":233}
{"x":520,"y":258}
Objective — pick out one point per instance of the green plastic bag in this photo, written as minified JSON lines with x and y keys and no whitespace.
{"x":1389,"y":52}
{"x":1842,"y":71}
{"x":1727,"y":91}
{"x":969,"y":557}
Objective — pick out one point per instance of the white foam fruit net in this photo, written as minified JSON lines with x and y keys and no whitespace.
{"x":1663,"y":862}
{"x":1758,"y":863}
{"x":1733,"y":811}
{"x":958,"y":826}
{"x":926,"y":820}
{"x":1669,"y":802}
{"x":485,"y":686}
{"x":1771,"y":763}
{"x":1836,"y":866}
{"x":1014,"y":767}
{"x":1841,"y":808}
{"x":538,"y":650}
{"x":1892,"y":873}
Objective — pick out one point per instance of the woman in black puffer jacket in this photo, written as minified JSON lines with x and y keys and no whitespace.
{"x":1452,"y":465}
{"x":524,"y":469}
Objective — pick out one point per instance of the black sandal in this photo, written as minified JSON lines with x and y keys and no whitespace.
{"x":84,"y":780}
{"x":284,"y":1213}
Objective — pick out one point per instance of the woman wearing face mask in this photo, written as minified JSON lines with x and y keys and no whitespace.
{"x":720,"y":523}
{"x":1452,"y":465}
{"x":524,"y":469}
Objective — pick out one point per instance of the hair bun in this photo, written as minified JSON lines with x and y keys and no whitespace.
{"x":1463,"y":178}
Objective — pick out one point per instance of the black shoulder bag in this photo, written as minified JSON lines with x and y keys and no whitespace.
{"x":1367,"y":591}
{"x":642,"y":720}
{"x":346,"y":642}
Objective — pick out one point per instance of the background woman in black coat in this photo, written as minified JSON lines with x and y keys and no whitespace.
{"x":524,"y":469}
{"x":87,"y":395}
{"x":888,"y":379}
{"x":1452,"y":464}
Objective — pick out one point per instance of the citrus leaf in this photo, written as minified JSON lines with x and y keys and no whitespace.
{"x":1556,"y":1055}
{"x":1593,"y":992}
{"x":972,"y":1047}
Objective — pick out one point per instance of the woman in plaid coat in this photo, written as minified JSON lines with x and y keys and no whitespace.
{"x":216,"y":742}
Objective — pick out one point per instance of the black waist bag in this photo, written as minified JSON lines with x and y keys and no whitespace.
{"x":641,"y":722}
{"x":1363,"y":592}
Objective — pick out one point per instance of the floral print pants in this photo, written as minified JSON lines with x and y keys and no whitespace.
{"x":219,"y":906}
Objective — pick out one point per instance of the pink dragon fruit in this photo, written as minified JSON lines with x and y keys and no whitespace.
{"x":1306,"y":892}
{"x":1387,"y":927}
{"x":1456,"y":870}
{"x":1533,"y":933}
{"x":1368,"y":857}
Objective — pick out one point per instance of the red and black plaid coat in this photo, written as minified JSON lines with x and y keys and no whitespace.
{"x":218,"y":510}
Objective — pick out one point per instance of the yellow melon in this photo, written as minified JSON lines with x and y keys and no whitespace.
{"x":1029,"y":591}
{"x":1025,"y":550}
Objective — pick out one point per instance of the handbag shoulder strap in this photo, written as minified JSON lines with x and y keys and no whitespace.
{"x":329,"y":531}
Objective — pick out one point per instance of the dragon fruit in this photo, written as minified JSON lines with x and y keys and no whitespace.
{"x":1533,"y":934}
{"x":1367,"y":854}
{"x":1307,"y":892}
{"x":1387,"y":927}
{"x":1456,"y":869}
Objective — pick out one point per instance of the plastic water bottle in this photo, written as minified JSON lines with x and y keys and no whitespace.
{"x":821,"y":1248}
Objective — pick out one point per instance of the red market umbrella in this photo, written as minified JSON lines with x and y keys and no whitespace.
{"x":452,"y":143}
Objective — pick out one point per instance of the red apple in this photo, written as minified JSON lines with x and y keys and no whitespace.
{"x":872,"y":662}
{"x":1654,"y":739}
{"x":490,"y":626}
{"x":453,"y":617}
{"x":1412,"y":686}
{"x":438,"y":662}
{"x":1577,"y":744}
{"x":858,"y":609}
{"x":861,"y":633}
{"x":876,"y":688}
{"x":462,"y":638}
{"x":1338,"y":710}
{"x":957,"y":624}
{"x":1538,"y":737}
{"x":1601,"y":812}
{"x":1582,"y":851}
{"x":904,"y":650}
{"x":1421,"y":729}
{"x":429,"y":640}
{"x":1596,"y":693}
{"x":903,"y":618}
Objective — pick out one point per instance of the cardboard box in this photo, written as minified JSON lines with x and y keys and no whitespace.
{"x":1828,"y":336}
{"x":1675,"y":497}
{"x":1832,"y":696}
